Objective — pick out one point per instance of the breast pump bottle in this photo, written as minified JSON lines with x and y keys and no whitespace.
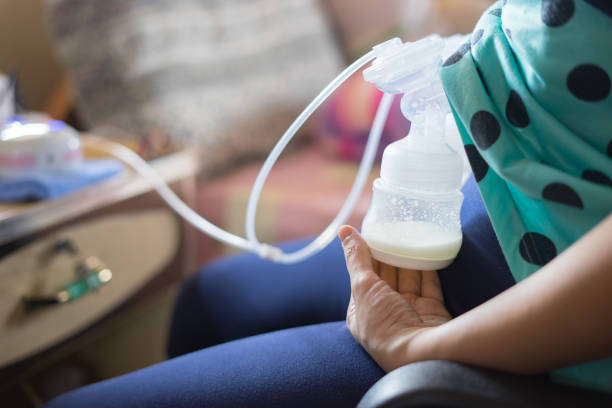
{"x":413,"y":220}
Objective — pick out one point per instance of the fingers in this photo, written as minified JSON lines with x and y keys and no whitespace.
{"x":358,"y":259}
{"x":420,"y":283}
{"x":376,"y":266}
{"x":409,"y":281}
{"x":388,"y":273}
{"x":430,"y":286}
{"x":363,"y":270}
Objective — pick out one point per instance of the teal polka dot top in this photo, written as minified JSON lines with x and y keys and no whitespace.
{"x":530,"y":92}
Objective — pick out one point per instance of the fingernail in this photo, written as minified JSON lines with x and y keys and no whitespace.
{"x":344,"y":233}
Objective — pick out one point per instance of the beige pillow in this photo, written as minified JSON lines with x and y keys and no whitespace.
{"x":227,"y":75}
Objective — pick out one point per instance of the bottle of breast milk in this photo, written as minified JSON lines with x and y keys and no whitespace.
{"x":413,"y":219}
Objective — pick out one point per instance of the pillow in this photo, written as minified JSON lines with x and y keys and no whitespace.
{"x":229,"y":76}
{"x":344,"y":122}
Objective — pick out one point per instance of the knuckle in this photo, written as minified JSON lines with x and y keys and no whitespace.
{"x":350,"y":252}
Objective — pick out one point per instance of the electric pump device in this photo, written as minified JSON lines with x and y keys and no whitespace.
{"x":413,"y":220}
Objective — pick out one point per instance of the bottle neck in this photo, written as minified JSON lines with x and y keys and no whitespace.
{"x":427,"y":130}
{"x":426,"y":108}
{"x":423,"y":160}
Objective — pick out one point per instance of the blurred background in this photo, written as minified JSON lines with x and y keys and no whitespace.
{"x":223,"y":79}
{"x":40,"y":38}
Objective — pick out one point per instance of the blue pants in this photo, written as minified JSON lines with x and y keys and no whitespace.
{"x":247,"y":332}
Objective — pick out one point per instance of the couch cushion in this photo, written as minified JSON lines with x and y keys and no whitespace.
{"x":301,"y":197}
{"x":229,"y":75}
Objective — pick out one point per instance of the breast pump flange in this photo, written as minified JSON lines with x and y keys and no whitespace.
{"x":413,"y":220}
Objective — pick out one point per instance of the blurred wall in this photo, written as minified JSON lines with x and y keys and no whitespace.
{"x":363,"y":23}
{"x":25,"y":48}
{"x":445,"y":17}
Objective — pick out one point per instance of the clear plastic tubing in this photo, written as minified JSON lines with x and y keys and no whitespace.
{"x":251,"y":243}
{"x":362,"y":174}
{"x":144,"y":169}
{"x":329,"y":233}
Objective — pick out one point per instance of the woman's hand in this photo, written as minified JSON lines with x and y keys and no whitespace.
{"x":390,"y":308}
{"x":556,"y":317}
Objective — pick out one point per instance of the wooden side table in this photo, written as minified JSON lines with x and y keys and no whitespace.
{"x":135,"y":247}
{"x":124,"y":223}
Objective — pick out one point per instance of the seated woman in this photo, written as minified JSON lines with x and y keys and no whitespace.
{"x":530,"y":92}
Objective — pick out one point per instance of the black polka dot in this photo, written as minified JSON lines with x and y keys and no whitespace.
{"x":609,"y":149}
{"x":485,"y":129}
{"x":477,"y":163}
{"x":597,"y":177}
{"x":496,"y":12}
{"x":536,"y":248}
{"x":516,"y":111}
{"x":563,"y":194}
{"x":457,"y":55}
{"x":476,"y":36}
{"x":508,"y":34}
{"x":556,"y":12}
{"x":589,"y":83}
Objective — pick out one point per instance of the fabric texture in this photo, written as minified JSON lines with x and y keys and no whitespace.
{"x":530,"y":90}
{"x":228,"y":76}
{"x":46,"y":186}
{"x":222,"y":314}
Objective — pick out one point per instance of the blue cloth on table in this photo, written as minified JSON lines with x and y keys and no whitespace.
{"x":49,"y":185}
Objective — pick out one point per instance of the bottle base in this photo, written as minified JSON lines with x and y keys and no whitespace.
{"x":420,"y":264}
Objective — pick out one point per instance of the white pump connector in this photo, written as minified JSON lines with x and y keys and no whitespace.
{"x":413,"y":220}
{"x":422,"y":161}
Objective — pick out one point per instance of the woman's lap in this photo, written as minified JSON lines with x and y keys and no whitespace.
{"x":244,"y":295}
{"x":315,"y":365}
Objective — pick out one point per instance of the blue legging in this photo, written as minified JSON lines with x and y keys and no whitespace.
{"x":247,"y":332}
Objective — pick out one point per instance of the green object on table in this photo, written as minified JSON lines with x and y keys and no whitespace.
{"x":82,"y":286}
{"x":92,"y":274}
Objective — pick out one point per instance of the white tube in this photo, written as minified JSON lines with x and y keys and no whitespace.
{"x":286,"y":138}
{"x":144,"y":169}
{"x":329,"y":233}
{"x":252,"y":244}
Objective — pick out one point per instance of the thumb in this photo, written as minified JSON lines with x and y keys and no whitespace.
{"x":358,"y":258}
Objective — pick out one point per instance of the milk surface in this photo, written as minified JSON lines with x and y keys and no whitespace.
{"x":413,"y":239}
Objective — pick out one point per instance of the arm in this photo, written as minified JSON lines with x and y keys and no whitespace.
{"x":557,"y":317}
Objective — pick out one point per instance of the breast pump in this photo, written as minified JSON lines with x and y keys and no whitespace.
{"x":413,"y":220}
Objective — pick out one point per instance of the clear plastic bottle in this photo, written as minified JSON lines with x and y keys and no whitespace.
{"x":413,"y":220}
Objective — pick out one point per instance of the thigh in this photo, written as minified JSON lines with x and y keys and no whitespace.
{"x":311,"y":366}
{"x":244,"y":295}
